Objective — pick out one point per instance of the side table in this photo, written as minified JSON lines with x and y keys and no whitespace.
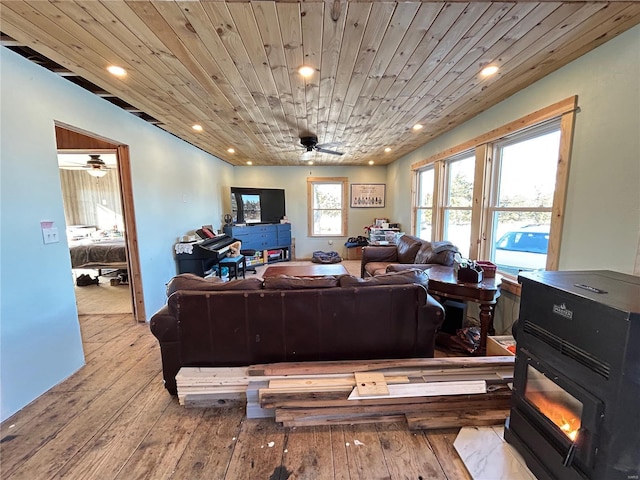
{"x":237,"y":265}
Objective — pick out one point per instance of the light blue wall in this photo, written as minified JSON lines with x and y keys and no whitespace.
{"x":176,"y":188}
{"x":294,"y":181}
{"x":602,"y":216}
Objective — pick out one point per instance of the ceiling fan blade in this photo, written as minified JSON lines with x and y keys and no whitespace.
{"x":329,"y":145}
{"x":324,"y":150}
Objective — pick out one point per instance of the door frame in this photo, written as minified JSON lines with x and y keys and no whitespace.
{"x":71,"y":138}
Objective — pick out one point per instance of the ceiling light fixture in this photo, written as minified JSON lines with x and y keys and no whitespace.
{"x":370,"y":162}
{"x":306,"y":71}
{"x":417,"y":126}
{"x":249,"y":162}
{"x":307,"y":155}
{"x":116,"y":70}
{"x":489,"y":70}
{"x":197,"y":128}
{"x":387,"y":150}
{"x":96,"y":172}
{"x":231,"y":150}
{"x":310,"y":162}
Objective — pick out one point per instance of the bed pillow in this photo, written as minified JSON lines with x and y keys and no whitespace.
{"x":189,"y":281}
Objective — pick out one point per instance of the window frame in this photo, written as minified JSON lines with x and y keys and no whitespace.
{"x":344,"y":183}
{"x":417,"y":206}
{"x":562,"y":112}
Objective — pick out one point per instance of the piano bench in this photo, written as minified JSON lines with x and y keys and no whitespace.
{"x":237,"y":265}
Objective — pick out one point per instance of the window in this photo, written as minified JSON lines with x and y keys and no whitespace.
{"x":501,"y":195}
{"x":524,"y":182}
{"x":459,"y":200}
{"x":327,"y":206}
{"x":424,"y":207}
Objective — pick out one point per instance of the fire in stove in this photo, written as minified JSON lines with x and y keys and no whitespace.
{"x":555,"y":403}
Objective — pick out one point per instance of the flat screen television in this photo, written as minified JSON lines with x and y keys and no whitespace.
{"x":257,"y":205}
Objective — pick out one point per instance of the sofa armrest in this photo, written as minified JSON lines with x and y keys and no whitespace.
{"x":433,"y":317}
{"x":435,"y":309}
{"x":386,"y":253}
{"x":164,"y":327}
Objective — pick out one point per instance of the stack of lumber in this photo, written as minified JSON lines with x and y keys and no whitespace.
{"x":427,"y":393}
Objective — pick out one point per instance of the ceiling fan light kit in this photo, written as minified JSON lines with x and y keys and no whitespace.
{"x":97,"y":172}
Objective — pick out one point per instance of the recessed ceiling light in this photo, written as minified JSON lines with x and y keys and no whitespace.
{"x":489,"y":70}
{"x":117,"y":71}
{"x":231,"y":150}
{"x":197,"y":128}
{"x":417,"y":126}
{"x":310,"y":162}
{"x":249,"y":162}
{"x":387,"y":150}
{"x":306,"y":71}
{"x":370,"y":162}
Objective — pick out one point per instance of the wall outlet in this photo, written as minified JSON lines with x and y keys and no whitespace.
{"x":330,"y":242}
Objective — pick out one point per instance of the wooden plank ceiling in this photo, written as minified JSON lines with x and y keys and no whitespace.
{"x":380,"y":67}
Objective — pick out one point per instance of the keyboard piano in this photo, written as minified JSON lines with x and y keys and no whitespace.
{"x":204,"y":255}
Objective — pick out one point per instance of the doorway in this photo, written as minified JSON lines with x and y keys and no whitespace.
{"x":95,"y":231}
{"x":102,"y":215}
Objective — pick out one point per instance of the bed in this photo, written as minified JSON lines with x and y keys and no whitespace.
{"x":99,"y":253}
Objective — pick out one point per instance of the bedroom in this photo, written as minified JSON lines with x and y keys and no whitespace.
{"x":95,"y":230}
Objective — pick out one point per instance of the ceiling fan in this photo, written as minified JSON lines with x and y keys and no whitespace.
{"x":311,"y":145}
{"x":95,"y":166}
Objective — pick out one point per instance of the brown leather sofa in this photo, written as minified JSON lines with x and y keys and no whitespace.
{"x":409,"y":253}
{"x":245,"y":322}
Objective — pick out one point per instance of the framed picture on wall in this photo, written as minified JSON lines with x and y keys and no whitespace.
{"x":367,"y":195}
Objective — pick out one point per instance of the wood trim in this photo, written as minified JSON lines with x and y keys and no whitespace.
{"x":478,"y":208}
{"x":636,"y":268}
{"x":552,"y":111}
{"x":511,"y":286}
{"x":559,"y":198}
{"x":70,"y":138}
{"x":437,"y":227}
{"x":131,"y":232}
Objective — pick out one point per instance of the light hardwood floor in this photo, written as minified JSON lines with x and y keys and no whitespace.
{"x":113,"y":419}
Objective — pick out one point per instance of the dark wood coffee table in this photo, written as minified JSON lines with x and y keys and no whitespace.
{"x":315,"y":270}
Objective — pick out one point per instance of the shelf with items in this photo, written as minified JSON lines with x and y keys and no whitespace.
{"x":384,"y":236}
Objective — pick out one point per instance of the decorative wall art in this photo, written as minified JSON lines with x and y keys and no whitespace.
{"x":367,"y":195}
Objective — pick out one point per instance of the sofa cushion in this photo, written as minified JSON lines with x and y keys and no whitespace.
{"x":408,"y":247}
{"x":376,"y":268}
{"x":189,"y":281}
{"x":393,"y":278}
{"x":288,"y":282}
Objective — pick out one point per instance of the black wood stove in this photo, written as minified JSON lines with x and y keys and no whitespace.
{"x":575,"y":411}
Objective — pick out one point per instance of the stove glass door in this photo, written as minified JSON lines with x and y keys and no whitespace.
{"x":555,"y":403}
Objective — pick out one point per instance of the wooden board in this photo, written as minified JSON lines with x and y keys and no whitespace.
{"x":351,"y":366}
{"x":427,"y":390}
{"x":371,"y":384}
